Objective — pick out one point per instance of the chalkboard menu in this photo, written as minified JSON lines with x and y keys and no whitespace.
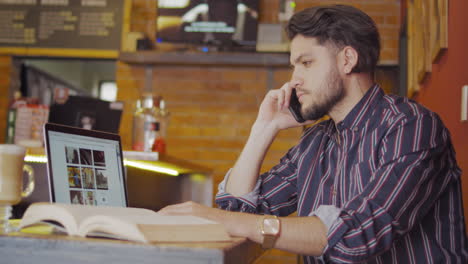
{"x":62,"y":24}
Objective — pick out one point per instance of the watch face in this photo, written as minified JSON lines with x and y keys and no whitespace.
{"x":271,"y":226}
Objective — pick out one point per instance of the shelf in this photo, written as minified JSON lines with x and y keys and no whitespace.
{"x":236,"y":59}
{"x":164,"y":164}
{"x":167,"y":164}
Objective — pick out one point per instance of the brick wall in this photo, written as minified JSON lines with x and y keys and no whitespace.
{"x":5,"y":69}
{"x":385,"y":13}
{"x":212,"y":108}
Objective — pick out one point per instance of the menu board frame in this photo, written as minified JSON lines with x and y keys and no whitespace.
{"x":110,"y":53}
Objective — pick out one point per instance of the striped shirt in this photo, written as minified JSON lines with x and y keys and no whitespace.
{"x":385,"y":181}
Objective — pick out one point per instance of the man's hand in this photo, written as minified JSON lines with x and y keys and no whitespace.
{"x":274,"y":110}
{"x":190,"y":208}
{"x":224,"y":217}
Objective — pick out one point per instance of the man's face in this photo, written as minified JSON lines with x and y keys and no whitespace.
{"x":316,"y":78}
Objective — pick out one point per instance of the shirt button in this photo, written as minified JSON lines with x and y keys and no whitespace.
{"x":355,"y":129}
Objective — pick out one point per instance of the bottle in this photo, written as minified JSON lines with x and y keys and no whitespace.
{"x":147,"y":123}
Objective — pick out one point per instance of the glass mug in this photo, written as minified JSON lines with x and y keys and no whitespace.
{"x":11,"y":181}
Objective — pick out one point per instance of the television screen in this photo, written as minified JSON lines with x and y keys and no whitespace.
{"x":211,"y":22}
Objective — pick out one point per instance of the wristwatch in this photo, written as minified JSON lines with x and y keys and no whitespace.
{"x":270,"y":228}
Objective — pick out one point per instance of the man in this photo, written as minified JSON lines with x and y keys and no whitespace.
{"x":377,"y":182}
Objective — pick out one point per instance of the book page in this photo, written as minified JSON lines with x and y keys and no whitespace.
{"x":82,"y":212}
{"x":41,"y":212}
{"x":128,"y":225}
{"x":117,"y":227}
{"x":71,"y":216}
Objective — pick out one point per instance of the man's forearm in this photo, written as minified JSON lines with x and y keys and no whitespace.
{"x":301,"y":235}
{"x":245,"y":172}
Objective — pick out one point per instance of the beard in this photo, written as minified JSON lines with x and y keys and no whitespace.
{"x":331,"y":92}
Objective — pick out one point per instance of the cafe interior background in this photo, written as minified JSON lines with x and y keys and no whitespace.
{"x":213,"y":95}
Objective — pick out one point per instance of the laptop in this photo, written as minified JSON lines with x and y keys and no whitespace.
{"x":84,"y":166}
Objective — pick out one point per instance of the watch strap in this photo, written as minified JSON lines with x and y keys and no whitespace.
{"x":268,"y":241}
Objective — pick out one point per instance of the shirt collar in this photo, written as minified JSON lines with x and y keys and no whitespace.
{"x":360,"y":111}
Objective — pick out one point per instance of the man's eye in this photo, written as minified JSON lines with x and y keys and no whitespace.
{"x":306,"y":63}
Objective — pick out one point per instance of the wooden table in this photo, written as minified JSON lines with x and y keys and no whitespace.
{"x":50,"y":249}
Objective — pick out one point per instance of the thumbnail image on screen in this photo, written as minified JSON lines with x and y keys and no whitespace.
{"x":86,"y":171}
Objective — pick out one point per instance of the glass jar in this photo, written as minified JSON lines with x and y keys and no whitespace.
{"x":149,"y":124}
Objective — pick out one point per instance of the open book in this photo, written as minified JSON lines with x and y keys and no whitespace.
{"x":134,"y":224}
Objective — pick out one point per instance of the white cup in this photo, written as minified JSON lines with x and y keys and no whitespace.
{"x":11,"y":181}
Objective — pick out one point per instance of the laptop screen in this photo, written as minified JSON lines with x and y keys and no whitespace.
{"x":85,"y":167}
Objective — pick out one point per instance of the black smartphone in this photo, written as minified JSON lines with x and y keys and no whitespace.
{"x":295,"y":107}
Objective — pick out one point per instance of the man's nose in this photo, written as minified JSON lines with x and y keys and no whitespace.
{"x":296,"y":82}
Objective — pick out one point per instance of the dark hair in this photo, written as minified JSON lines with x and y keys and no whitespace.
{"x":340,"y":25}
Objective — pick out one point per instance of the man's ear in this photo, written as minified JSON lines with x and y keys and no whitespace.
{"x":350,"y":59}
